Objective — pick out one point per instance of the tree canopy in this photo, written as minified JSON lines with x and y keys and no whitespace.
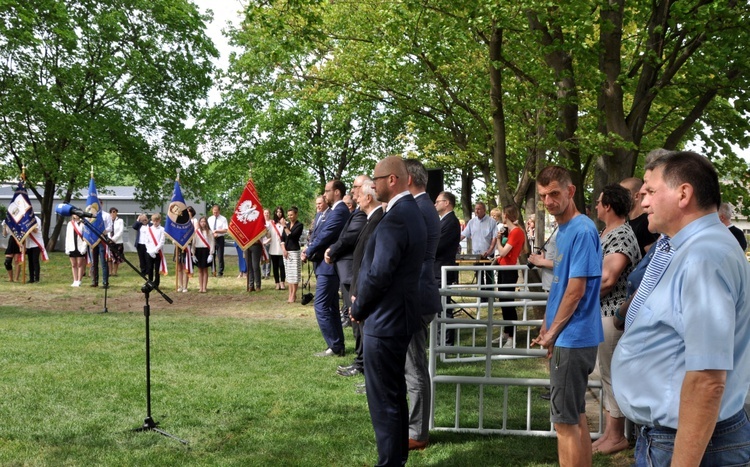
{"x":102,"y":83}
{"x":495,"y":90}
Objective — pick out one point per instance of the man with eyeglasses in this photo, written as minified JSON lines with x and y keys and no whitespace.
{"x":387,"y":301}
{"x":448,"y":246}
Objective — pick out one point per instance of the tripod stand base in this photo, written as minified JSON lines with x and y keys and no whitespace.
{"x":150,"y":425}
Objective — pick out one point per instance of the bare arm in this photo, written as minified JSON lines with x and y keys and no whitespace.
{"x":700,"y":399}
{"x":540,"y":261}
{"x":503,"y":251}
{"x":612,"y":267}
{"x":573,"y":294}
{"x":491,"y":248}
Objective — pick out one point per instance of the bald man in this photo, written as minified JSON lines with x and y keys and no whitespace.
{"x":388,"y":303}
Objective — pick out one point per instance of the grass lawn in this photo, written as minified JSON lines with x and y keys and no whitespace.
{"x":232,"y":373}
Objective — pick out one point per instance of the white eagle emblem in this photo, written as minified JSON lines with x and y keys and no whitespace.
{"x":247,"y":212}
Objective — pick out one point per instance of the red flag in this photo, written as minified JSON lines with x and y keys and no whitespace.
{"x":247,"y":224}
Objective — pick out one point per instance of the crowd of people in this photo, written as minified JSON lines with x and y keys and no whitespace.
{"x":657,"y":301}
{"x":672,"y":356}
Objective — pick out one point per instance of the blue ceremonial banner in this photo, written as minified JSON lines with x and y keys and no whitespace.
{"x":93,"y":206}
{"x":178,"y":225}
{"x":20,"y":218}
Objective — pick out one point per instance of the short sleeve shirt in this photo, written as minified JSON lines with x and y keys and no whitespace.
{"x":619,"y":240}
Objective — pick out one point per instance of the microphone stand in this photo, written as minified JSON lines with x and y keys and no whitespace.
{"x":148,"y":424}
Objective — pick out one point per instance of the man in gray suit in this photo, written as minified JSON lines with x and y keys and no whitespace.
{"x":417,"y":375}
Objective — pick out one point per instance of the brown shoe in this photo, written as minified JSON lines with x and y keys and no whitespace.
{"x":415,"y":445}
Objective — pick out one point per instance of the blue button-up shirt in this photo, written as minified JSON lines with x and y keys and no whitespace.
{"x":697,"y":318}
{"x":481,"y":232}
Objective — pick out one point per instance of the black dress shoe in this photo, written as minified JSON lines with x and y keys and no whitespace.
{"x":350,"y":372}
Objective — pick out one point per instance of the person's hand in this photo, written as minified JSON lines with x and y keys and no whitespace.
{"x":303,"y":256}
{"x":545,"y":340}
{"x":327,"y":257}
{"x":350,"y":311}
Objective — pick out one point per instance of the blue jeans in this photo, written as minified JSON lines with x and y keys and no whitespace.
{"x":729,"y":444}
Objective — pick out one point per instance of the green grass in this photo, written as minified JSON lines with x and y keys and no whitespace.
{"x":243,"y":390}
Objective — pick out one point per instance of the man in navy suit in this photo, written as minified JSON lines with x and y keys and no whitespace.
{"x":417,"y":375}
{"x":340,"y":253}
{"x":387,"y":301}
{"x":326,"y":302}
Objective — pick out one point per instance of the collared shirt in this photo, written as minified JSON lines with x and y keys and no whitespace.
{"x":218,"y":223}
{"x":481,"y":232}
{"x":333,"y":206}
{"x":396,"y":198}
{"x":369,"y":215}
{"x":696,"y":318}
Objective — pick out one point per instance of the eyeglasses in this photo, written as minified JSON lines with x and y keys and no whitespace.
{"x":375,"y":179}
{"x":441,"y":201}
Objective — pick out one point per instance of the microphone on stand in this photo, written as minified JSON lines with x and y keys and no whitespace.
{"x":66,"y":210}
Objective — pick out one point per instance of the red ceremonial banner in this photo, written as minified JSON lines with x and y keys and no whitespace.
{"x":247,"y":224}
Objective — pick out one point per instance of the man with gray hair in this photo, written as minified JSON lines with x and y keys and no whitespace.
{"x":725,"y":216}
{"x":682,"y":368}
{"x":369,"y":204}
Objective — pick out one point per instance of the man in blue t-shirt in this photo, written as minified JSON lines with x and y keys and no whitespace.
{"x":572,"y":328}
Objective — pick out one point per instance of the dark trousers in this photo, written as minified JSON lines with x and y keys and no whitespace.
{"x":326,"y":305}
{"x":34,"y":267}
{"x":277,"y":263}
{"x":219,"y":249}
{"x":385,"y":358}
{"x":253,"y":255}
{"x":152,"y":269}
{"x":141,"y":249}
{"x":359,"y":359}
{"x":99,"y":253}
{"x":509,"y":312}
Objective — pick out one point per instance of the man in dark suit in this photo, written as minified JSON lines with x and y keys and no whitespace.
{"x":725,"y":216}
{"x":417,"y":375}
{"x":326,"y":301}
{"x":368,"y":203}
{"x":450,"y":236}
{"x":340,"y":253}
{"x":448,"y":246}
{"x":387,"y":303}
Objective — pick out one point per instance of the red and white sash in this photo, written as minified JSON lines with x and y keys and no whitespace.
{"x":162,"y":261}
{"x":203,"y":239}
{"x":36,"y":238}
{"x":188,"y":261}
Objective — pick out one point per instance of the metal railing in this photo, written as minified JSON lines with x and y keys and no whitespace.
{"x":478,"y":339}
